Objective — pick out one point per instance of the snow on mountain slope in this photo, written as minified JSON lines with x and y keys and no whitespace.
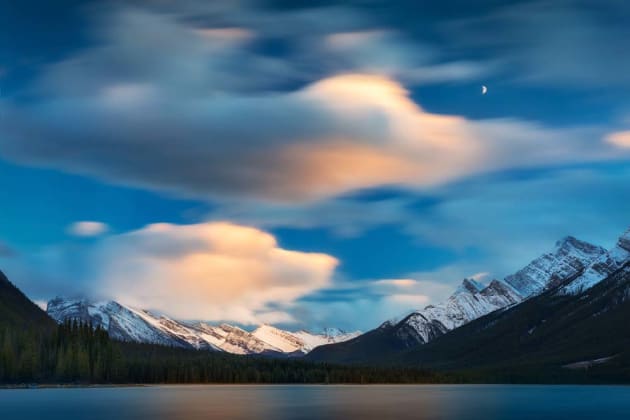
{"x":471,"y":300}
{"x":601,"y":268}
{"x":122,"y":323}
{"x":304,"y":341}
{"x":130,"y":324}
{"x":233,"y":339}
{"x":172,"y":328}
{"x":467,"y":303}
{"x":282,"y":340}
{"x":570,"y":258}
{"x":328,"y":336}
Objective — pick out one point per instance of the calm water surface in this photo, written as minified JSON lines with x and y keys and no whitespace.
{"x":319,"y":402}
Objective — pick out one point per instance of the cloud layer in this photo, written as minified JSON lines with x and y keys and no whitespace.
{"x":158,"y":104}
{"x":212,"y":271}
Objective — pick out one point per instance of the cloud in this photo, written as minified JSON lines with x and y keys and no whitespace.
{"x":476,"y":219}
{"x":87,"y":228}
{"x":480,"y":276}
{"x":561,"y":43}
{"x":391,"y":53}
{"x":376,"y":300}
{"x":221,"y":271}
{"x":620,"y":139}
{"x":396,"y":282}
{"x":479,"y":219}
{"x":158,"y":106}
{"x":346,"y":217}
{"x":227,"y":35}
{"x":212,"y":271}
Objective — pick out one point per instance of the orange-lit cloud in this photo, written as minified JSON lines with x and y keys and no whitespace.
{"x":396,"y":282}
{"x":211,"y":271}
{"x":326,"y":169}
{"x":620,"y":139}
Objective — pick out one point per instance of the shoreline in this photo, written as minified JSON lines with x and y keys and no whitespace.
{"x":87,"y":386}
{"x":70,"y":386}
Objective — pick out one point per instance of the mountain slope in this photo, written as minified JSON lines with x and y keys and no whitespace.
{"x":569,"y":259}
{"x":602,"y":267}
{"x":471,"y":300}
{"x":551,"y":330}
{"x":122,"y":323}
{"x":130,"y":324}
{"x":19,"y":312}
{"x":300,"y":341}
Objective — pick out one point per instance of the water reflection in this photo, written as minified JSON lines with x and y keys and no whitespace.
{"x":318,"y":402}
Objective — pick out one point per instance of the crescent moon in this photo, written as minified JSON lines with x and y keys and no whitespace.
{"x":484,"y":89}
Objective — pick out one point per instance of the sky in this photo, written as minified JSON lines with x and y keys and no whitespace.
{"x":308,"y":164}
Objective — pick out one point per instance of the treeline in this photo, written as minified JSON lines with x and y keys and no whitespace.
{"x":77,"y":353}
{"x":71,"y":352}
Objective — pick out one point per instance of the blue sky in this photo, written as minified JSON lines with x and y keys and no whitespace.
{"x":292,"y":162}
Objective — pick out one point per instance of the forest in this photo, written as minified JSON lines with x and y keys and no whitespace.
{"x":76,"y":353}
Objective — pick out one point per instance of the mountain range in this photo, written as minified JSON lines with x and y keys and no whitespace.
{"x":136,"y":325}
{"x":570,"y":268}
{"x":549,"y":333}
{"x":562,"y":317}
{"x":34,"y":349}
{"x":569,"y":271}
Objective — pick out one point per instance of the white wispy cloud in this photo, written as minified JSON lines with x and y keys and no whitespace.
{"x":87,"y":228}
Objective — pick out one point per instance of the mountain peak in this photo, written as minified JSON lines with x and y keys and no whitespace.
{"x":387,"y":324}
{"x":569,"y":258}
{"x":624,"y":240}
{"x":469,"y":286}
{"x":603,"y":267}
{"x":572,"y":245}
{"x":567,"y":241}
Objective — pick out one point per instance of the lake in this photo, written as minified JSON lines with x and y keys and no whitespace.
{"x":483,"y":402}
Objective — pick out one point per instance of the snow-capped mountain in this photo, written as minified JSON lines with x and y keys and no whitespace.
{"x":569,"y":259}
{"x":130,"y":324}
{"x":568,"y":265}
{"x":125,"y":323}
{"x":470,"y":301}
{"x":587,"y":331}
{"x":609,"y":262}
